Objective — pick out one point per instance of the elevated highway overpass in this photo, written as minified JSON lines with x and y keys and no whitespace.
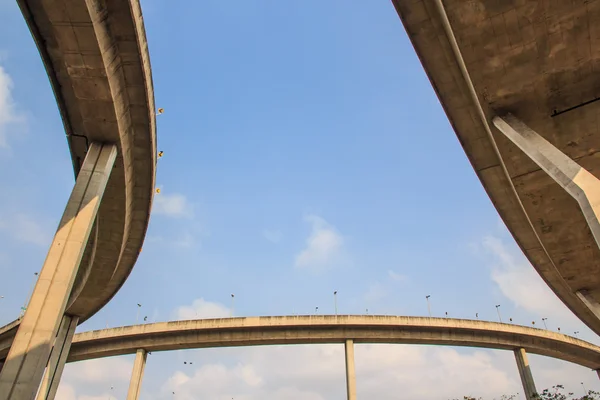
{"x":96,"y":56}
{"x":321,"y":329}
{"x":536,"y":65}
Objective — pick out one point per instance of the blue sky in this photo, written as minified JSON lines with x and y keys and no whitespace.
{"x":304,"y":152}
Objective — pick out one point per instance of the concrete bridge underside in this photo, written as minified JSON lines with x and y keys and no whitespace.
{"x":540,"y":61}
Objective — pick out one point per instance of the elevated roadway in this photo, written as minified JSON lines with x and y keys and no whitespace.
{"x":539,"y":61}
{"x":96,"y":56}
{"x":253,"y":331}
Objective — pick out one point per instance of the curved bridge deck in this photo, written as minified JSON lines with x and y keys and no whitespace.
{"x":252,"y":331}
{"x":536,"y":60}
{"x":97,"y":60}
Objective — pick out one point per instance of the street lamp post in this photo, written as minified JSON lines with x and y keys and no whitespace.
{"x":232,"y":304}
{"x":428,"y":304}
{"x":498,"y":310}
{"x":316,"y":310}
{"x":576,"y":333}
{"x":544,"y":321}
{"x":335,"y":301}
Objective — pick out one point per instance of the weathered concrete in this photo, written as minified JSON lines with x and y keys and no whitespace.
{"x":486,"y":58}
{"x":350,"y":370}
{"x":253,"y":331}
{"x":525,"y":374}
{"x":96,"y":56}
{"x":24,"y":367}
{"x":135,"y":385}
{"x":58,"y":359}
{"x":579,"y":183}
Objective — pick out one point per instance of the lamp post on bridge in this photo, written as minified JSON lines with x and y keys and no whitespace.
{"x":428,"y":304}
{"x":232,"y":304}
{"x":544,"y":321}
{"x":498,"y":310}
{"x":335,"y":301}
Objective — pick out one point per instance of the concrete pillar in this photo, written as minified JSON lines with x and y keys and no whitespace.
{"x":135,"y":384}
{"x":525,"y":373}
{"x":350,"y":372}
{"x":29,"y":354}
{"x":598,"y":372}
{"x":58,"y":358}
{"x":578,"y":182}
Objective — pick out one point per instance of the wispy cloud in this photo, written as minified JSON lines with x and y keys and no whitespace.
{"x":395,"y":276}
{"x":518,"y":281}
{"x":315,"y":373}
{"x":8,"y":111}
{"x":26,"y":228}
{"x":323,"y":245}
{"x":82,"y":379}
{"x":201,"y":308}
{"x":174,"y":205}
{"x":272,"y":235}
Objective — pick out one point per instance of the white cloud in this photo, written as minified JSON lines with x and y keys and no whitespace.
{"x":173,"y":205}
{"x":93,"y":379}
{"x":201,"y":308}
{"x":8,"y":112}
{"x":25,"y":228}
{"x":272,"y":236}
{"x":323,"y":246}
{"x":396,"y":276}
{"x":317,"y":373}
{"x":521,"y":284}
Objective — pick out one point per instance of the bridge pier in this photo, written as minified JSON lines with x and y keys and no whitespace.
{"x":58,"y":358}
{"x":525,"y":373}
{"x":137,"y":374}
{"x":37,"y":334}
{"x":577,"y":181}
{"x":350,"y":372}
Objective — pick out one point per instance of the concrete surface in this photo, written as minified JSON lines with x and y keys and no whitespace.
{"x":533,"y":59}
{"x":96,"y":56}
{"x":574,"y":179}
{"x":524,"y":368}
{"x":350,"y":370}
{"x":253,"y":331}
{"x":135,"y":384}
{"x":24,"y":366}
{"x":58,"y":359}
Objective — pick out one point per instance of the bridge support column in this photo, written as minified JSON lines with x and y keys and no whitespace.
{"x":350,"y":372}
{"x":577,"y":181}
{"x":136,"y":376}
{"x":29,"y":354}
{"x":58,"y":358}
{"x":525,"y":373}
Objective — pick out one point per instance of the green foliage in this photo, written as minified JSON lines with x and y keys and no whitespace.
{"x":555,"y":393}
